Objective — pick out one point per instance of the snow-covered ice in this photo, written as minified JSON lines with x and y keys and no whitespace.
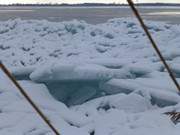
{"x":88,"y":79}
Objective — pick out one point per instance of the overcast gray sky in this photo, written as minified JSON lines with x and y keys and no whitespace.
{"x":81,"y":1}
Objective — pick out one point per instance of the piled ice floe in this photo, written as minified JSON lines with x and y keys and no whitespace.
{"x":75,"y":83}
{"x":107,"y":74}
{"x":18,"y":117}
{"x":128,"y":114}
{"x":25,"y":43}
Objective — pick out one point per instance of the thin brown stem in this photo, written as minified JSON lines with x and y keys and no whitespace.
{"x":27,"y":97}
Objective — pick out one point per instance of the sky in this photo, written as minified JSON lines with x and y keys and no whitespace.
{"x":81,"y":1}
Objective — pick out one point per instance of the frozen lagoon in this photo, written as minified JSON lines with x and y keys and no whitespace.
{"x":93,"y":15}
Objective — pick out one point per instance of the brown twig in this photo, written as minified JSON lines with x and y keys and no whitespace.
{"x":154,"y":45}
{"x":23,"y":92}
{"x":175,"y":116}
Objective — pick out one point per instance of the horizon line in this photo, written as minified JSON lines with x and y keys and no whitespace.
{"x":140,"y":3}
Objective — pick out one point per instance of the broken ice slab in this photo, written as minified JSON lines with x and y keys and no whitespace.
{"x":71,"y":72}
{"x":159,"y":92}
{"x":22,"y":73}
{"x":81,"y":95}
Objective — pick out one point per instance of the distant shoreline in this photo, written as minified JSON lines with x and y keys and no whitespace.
{"x":93,"y":5}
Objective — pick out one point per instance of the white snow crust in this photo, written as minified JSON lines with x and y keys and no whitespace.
{"x":88,"y":79}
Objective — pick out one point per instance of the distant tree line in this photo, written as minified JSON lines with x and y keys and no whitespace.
{"x":94,"y":4}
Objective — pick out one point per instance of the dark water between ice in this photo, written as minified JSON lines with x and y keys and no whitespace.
{"x":93,"y":15}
